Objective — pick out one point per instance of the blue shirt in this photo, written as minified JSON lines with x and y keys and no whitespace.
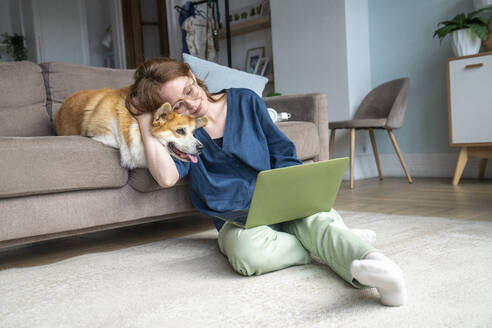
{"x":224,"y":177}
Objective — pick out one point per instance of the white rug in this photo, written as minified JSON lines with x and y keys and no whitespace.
{"x":186,"y":282}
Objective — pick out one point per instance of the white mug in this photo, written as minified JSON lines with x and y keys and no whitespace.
{"x":278,"y":117}
{"x":273,"y":114}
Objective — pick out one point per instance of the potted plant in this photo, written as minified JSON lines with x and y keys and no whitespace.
{"x":467,"y":32}
{"x":15,"y":46}
{"x":479,"y":4}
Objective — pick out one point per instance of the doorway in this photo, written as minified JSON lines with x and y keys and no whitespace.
{"x":145,"y":26}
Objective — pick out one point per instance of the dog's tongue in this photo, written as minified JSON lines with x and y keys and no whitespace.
{"x":193,"y":158}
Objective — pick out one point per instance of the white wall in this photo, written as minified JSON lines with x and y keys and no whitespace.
{"x":98,"y":20}
{"x":359,"y":77}
{"x":26,"y":18}
{"x":174,"y":32}
{"x":327,"y":53}
{"x":310,"y":51}
{"x":5,"y":26}
{"x":9,"y":22}
{"x":358,"y":56}
{"x":38,"y":19}
{"x":61,"y":31}
{"x":5,"y":22}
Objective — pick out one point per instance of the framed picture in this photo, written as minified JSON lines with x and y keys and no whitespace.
{"x":252,"y":57}
{"x":261,"y":66}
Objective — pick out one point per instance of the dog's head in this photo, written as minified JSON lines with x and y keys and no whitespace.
{"x":175,"y":131}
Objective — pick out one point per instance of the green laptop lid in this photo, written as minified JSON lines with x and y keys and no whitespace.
{"x":294,"y":192}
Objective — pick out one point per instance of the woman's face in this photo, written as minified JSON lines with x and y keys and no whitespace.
{"x":185,"y":96}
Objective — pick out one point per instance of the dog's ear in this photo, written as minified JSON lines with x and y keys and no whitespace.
{"x":162,"y":114}
{"x":201,"y":121}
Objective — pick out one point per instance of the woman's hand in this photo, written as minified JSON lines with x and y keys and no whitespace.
{"x":159,"y":161}
{"x":144,"y":119}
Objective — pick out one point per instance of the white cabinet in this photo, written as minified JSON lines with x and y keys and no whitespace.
{"x":470,"y":99}
{"x":470,"y":109}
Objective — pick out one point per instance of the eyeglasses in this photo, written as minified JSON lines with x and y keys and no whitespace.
{"x":190,"y":93}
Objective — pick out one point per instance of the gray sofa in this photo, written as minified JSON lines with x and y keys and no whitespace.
{"x":53,"y":186}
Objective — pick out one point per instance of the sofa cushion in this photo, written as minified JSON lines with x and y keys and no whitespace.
{"x":141,"y":180}
{"x":218,"y":77}
{"x":305,"y":137}
{"x":23,"y":106}
{"x":63,"y":79}
{"x":40,"y":165}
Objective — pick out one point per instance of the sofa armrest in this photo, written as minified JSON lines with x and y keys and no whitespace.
{"x":309,"y":107}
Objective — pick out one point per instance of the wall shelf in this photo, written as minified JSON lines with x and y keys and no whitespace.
{"x":246,"y":27}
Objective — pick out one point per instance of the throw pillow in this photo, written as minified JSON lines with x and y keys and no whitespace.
{"x":218,"y":77}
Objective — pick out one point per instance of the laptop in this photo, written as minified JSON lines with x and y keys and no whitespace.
{"x":290,"y":193}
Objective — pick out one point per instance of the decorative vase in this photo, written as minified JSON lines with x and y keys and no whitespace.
{"x":487,"y":44}
{"x":465,"y":42}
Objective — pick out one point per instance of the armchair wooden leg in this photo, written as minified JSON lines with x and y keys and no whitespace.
{"x":352,"y":153}
{"x":332,"y":143}
{"x":397,"y":149}
{"x":375,"y":151}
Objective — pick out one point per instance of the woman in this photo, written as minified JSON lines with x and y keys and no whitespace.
{"x":240,"y":140}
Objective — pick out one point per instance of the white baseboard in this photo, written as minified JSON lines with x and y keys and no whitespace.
{"x":438,"y":165}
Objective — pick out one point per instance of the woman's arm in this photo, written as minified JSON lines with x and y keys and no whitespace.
{"x":159,"y":161}
{"x":282,"y":149}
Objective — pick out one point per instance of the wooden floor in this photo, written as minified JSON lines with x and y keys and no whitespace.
{"x":470,"y":200}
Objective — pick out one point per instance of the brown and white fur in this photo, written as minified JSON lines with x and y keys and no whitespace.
{"x":103,"y":115}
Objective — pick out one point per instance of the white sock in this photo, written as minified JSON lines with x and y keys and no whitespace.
{"x":376,"y":270}
{"x":365,"y":234}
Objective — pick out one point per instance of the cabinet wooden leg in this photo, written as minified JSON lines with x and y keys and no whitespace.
{"x":375,"y":151}
{"x":483,"y":166}
{"x":398,"y":152}
{"x":460,"y":165}
{"x":352,"y":153}
{"x":332,"y":143}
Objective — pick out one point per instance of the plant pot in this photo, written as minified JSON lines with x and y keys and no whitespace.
{"x":465,"y":42}
{"x":487,"y":44}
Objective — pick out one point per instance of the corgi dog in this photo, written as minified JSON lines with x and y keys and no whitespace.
{"x":103,"y":115}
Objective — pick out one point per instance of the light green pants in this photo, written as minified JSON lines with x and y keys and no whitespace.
{"x":269,"y":248}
